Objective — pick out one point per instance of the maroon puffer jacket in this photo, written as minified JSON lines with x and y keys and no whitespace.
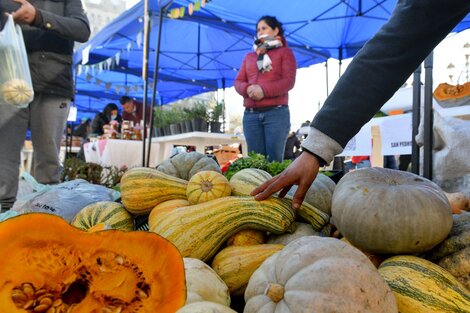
{"x":275,"y":83}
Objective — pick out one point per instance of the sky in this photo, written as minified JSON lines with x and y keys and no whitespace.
{"x":309,"y":92}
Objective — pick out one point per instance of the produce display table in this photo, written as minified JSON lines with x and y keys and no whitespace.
{"x":198,"y":139}
{"x":117,"y":152}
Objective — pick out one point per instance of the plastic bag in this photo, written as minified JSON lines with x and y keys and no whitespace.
{"x":451,"y":150}
{"x":16,"y":87}
{"x":65,"y":199}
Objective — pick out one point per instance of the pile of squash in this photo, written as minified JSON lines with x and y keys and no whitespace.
{"x":211,"y":244}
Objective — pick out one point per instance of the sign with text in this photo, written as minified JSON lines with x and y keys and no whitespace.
{"x":395,"y":132}
{"x":361,"y":144}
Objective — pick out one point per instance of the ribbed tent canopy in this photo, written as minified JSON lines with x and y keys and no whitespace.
{"x":203,"y":51}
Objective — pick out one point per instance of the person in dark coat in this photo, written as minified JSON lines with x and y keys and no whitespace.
{"x":50,"y":29}
{"x":110,"y":113}
{"x":292,"y":147}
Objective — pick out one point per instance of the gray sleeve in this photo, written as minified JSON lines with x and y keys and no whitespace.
{"x":73,"y":25}
{"x":380,"y":68}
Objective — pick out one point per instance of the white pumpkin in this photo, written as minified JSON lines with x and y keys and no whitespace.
{"x":203,"y":283}
{"x":315,"y":274}
{"x":16,"y":92}
{"x":301,"y":230}
{"x":205,"y":307}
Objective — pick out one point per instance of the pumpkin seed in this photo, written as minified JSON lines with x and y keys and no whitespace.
{"x":57,"y":302}
{"x":51,"y":310}
{"x":28,"y":289}
{"x":19,"y":297}
{"x":28,"y":304}
{"x":41,"y":308}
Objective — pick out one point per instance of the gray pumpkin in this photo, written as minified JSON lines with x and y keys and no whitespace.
{"x":388,"y":211}
{"x":185,"y":165}
{"x":319,"y":194}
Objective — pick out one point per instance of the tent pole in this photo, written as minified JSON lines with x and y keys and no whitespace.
{"x":326,"y":72}
{"x":428,"y":118}
{"x":340,"y":60}
{"x":223,"y":107}
{"x":155,"y":80}
{"x":416,"y":116}
{"x":145,"y":72}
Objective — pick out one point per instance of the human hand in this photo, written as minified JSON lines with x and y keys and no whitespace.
{"x":255,"y":92}
{"x":26,"y":14}
{"x":301,"y":172}
{"x":250,"y":90}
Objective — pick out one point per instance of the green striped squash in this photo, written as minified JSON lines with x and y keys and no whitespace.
{"x":112,"y":214}
{"x":421,"y":286}
{"x":236,"y":264}
{"x":318,"y":219}
{"x":143,"y":188}
{"x":199,"y":230}
{"x":244,"y":181}
{"x":207,"y":185}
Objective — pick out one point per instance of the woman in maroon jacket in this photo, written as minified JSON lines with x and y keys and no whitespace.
{"x":264,"y":80}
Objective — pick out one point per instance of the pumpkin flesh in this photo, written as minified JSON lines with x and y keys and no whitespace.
{"x":107,"y":271}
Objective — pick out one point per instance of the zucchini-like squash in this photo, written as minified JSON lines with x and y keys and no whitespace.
{"x":109,"y":213}
{"x":246,"y":180}
{"x":199,"y":230}
{"x":143,"y":188}
{"x":164,"y":208}
{"x":318,"y":219}
{"x":421,"y":286}
{"x":247,"y":237}
{"x":236,"y":264}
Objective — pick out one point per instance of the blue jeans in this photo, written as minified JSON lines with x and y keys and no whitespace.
{"x":266,"y":131}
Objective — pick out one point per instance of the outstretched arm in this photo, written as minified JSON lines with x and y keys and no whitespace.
{"x":378,"y":70}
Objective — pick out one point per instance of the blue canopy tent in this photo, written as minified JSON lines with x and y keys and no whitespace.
{"x":211,"y":42}
{"x":336,"y":28}
{"x":191,"y":50}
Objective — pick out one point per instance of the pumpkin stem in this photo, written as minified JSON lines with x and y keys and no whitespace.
{"x":275,"y":292}
{"x":206,"y":186}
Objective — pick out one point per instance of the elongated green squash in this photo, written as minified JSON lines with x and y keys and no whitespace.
{"x":199,"y":230}
{"x":236,"y":264}
{"x":421,"y":286}
{"x":246,"y":180}
{"x":311,"y":214}
{"x":143,"y":188}
{"x":111,"y":213}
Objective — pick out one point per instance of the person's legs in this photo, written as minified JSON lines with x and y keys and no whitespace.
{"x":254,"y":132}
{"x":48,"y":121}
{"x":13,"y":127}
{"x":276,"y":124}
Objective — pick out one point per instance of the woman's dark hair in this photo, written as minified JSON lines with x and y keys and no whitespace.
{"x":272,"y":22}
{"x":109,"y":108}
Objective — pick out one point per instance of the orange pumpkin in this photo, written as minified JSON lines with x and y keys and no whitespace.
{"x":47,"y":265}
